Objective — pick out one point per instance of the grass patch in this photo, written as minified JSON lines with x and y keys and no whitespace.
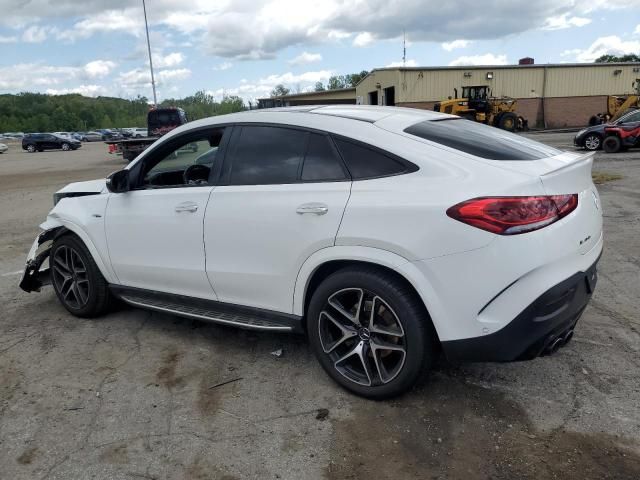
{"x":603,"y":177}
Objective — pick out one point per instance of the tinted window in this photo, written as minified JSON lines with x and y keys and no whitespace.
{"x":321,"y":162}
{"x":267,"y":155}
{"x":631,"y":117}
{"x":364,"y":162}
{"x":481,"y":140}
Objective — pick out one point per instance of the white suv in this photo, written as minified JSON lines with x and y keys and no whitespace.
{"x":384,"y":234}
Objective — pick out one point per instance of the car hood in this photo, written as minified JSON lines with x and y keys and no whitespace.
{"x":90,"y":186}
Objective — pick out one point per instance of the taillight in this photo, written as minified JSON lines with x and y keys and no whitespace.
{"x":513,"y":215}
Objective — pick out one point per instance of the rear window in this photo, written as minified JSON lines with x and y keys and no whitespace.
{"x":481,"y":140}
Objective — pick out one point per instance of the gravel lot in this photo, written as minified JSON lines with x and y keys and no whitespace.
{"x":129,"y":395}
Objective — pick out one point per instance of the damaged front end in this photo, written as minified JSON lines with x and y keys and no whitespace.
{"x":34,"y":275}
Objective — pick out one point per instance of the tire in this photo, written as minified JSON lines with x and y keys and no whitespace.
{"x":612,"y":144}
{"x":593,"y":141}
{"x":31,"y":148}
{"x":340,"y":345}
{"x":508,"y":121}
{"x":66,"y":147}
{"x":76,"y":279}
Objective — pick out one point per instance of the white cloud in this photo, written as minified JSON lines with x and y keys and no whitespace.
{"x":250,"y":90}
{"x":99,"y":68}
{"x":363,"y":39}
{"x":86,"y":90}
{"x":486,"y":59}
{"x":223,"y":66}
{"x":170,"y":60}
{"x":127,"y":20}
{"x":611,"y":45}
{"x":448,"y":46}
{"x":637,"y":30}
{"x":408,"y":63}
{"x":305,"y":58}
{"x":563,"y":21}
{"x":35,"y":34}
{"x":140,"y":77}
{"x":11,"y":39}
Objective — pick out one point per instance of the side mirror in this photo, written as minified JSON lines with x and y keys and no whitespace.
{"x":118,"y":182}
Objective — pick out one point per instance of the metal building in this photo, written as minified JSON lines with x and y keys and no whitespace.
{"x":549,"y":95}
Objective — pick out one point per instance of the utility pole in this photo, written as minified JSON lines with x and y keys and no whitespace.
{"x":404,"y":48}
{"x":153,"y":82}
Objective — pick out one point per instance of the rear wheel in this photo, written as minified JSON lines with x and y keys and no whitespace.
{"x":592,"y":142}
{"x":76,"y":279}
{"x":508,"y":121}
{"x":31,"y":148}
{"x":612,"y":144}
{"x":66,"y":147}
{"x":370,"y":332}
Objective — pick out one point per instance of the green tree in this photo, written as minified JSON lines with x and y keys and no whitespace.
{"x":319,"y":87}
{"x":631,"y":57}
{"x":280,"y":90}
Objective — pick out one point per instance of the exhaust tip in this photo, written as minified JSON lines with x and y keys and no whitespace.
{"x":567,"y":338}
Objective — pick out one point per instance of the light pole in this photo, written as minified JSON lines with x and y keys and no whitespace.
{"x":153,"y":82}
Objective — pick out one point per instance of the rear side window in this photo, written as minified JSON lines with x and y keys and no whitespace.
{"x":267,"y":155}
{"x":480,"y":140}
{"x":321,"y":163}
{"x":364,"y":162}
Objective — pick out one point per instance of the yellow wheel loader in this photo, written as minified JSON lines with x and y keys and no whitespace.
{"x":478,"y":105}
{"x":618,"y":106}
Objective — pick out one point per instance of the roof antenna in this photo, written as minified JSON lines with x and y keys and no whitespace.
{"x":153,"y":82}
{"x":404,"y":47}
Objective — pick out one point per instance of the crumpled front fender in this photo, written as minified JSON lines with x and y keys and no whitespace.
{"x":34,"y":277}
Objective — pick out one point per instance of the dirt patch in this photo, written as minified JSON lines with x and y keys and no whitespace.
{"x":449,"y":429}
{"x":26,"y":457}
{"x":115,"y":454}
{"x":167,"y":373}
{"x":200,"y":469}
{"x":603,"y":177}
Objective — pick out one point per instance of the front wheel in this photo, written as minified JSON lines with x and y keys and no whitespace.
{"x":76,"y":279}
{"x":370,"y":332}
{"x":592,"y":142}
{"x":612,"y":144}
{"x":508,"y":121}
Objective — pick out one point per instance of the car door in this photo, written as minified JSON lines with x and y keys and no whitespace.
{"x":155,"y":230}
{"x":281,"y":197}
{"x":48,"y":142}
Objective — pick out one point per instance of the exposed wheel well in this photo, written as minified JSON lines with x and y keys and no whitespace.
{"x":328,"y":268}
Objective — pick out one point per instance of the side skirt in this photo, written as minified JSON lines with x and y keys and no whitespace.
{"x":209,"y":310}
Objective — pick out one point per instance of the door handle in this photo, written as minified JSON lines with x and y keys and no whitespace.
{"x":186,"y":207}
{"x":315,"y":208}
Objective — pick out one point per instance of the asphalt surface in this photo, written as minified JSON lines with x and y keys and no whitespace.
{"x":133,"y":395}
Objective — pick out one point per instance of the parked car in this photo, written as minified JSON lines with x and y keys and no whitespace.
{"x":386,"y":235}
{"x":3,"y":148}
{"x":139,"y":132}
{"x":37,"y":142}
{"x":591,"y":138}
{"x":63,"y":134}
{"x":92,"y":137}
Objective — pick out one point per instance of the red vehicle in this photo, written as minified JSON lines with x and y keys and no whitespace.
{"x":159,"y":122}
{"x":620,"y":137}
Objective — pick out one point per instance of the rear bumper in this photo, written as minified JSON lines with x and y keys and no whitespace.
{"x":542,"y":327}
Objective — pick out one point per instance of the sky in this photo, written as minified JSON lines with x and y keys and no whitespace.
{"x":246,"y":47}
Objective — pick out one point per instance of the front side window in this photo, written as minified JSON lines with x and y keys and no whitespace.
{"x":265,"y":155}
{"x":185,"y":162}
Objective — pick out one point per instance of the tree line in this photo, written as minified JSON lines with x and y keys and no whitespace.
{"x":335,"y":82}
{"x":37,"y":112}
